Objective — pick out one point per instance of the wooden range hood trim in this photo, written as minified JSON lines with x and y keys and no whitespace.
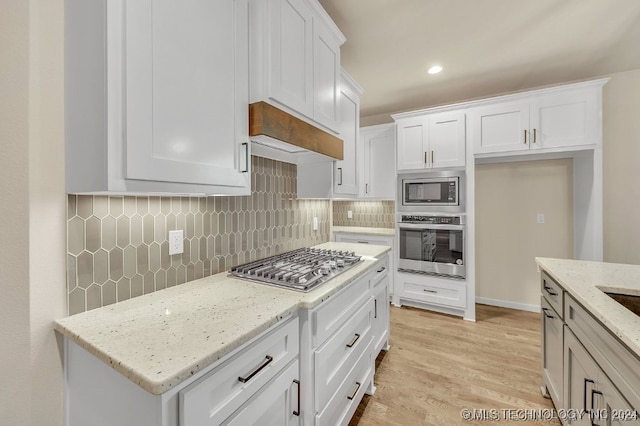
{"x":267,"y":120}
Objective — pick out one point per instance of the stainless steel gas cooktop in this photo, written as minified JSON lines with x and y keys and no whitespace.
{"x":301,"y":270}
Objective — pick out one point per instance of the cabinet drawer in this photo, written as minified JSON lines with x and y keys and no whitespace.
{"x":552,"y":291}
{"x":362,"y":239}
{"x":217,"y":395}
{"x":382,"y":271}
{"x":346,"y":399}
{"x":613,"y":357}
{"x":450,"y":293}
{"x":338,"y":355}
{"x":333,"y":313}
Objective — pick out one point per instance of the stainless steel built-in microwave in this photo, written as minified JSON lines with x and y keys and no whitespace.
{"x":419,"y":191}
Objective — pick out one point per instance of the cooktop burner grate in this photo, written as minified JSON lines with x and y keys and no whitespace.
{"x":302,"y":269}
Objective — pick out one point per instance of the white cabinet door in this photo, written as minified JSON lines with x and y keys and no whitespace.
{"x":379,"y":149}
{"x":276,"y":404}
{"x":326,"y":72}
{"x":412,"y":136}
{"x":381,"y":315}
{"x":345,"y":180}
{"x":447,"y":139}
{"x":502,"y":127}
{"x":290,"y":56}
{"x":186,"y":91}
{"x":552,"y":352}
{"x":580,"y":378}
{"x":564,"y":120}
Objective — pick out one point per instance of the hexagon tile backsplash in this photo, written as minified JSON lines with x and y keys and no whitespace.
{"x":117,"y":247}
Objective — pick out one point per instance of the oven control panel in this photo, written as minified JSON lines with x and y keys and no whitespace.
{"x":434,"y":220}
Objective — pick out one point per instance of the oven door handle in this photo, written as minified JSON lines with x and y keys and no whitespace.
{"x":427,"y":226}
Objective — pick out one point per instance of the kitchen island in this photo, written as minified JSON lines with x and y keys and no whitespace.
{"x":590,"y":341}
{"x":168,"y":340}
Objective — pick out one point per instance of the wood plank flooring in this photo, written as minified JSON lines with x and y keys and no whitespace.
{"x":440,"y":364}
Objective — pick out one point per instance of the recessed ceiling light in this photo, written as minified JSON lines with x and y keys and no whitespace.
{"x":434,"y":69}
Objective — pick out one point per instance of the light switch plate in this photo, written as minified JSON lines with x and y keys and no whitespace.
{"x":349,"y":214}
{"x":540,"y":217}
{"x":315,"y":223}
{"x":176,"y":241}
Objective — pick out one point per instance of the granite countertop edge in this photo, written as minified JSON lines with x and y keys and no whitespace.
{"x":586,"y":280}
{"x":79,"y":329}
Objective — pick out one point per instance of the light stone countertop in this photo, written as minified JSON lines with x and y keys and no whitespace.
{"x":585,"y":281}
{"x":387,"y":232}
{"x":162,"y":338}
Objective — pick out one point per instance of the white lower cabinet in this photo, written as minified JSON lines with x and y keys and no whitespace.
{"x":337,"y":356}
{"x":276,"y":404}
{"x":213,"y":398}
{"x":587,"y":372}
{"x":380,"y":286}
{"x":345,"y":400}
{"x":311,"y":368}
{"x":447,"y":294}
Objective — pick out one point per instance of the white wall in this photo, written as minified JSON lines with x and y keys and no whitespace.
{"x":508,"y":238}
{"x":621,"y":168}
{"x":32,"y":271}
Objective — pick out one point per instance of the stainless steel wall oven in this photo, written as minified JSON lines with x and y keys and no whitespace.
{"x":432,"y":245}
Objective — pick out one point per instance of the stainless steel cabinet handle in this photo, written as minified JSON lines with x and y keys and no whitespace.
{"x":267,"y":361}
{"x":363,"y":242}
{"x":381,"y":269}
{"x":366,"y":188}
{"x":584,"y":393}
{"x":353,"y":395}
{"x":340,"y":169}
{"x":546,"y":314}
{"x":246,"y":157}
{"x":525,"y":136}
{"x":297,"y":412}
{"x":432,"y":158}
{"x":353,"y":342}
{"x":550,"y":290}
{"x":534,"y":135}
{"x":375,"y":308}
{"x":425,"y":157}
{"x":429,"y":291}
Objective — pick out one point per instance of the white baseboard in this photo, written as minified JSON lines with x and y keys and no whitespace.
{"x":508,"y":304}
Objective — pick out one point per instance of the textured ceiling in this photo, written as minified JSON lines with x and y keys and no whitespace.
{"x":487,"y":47}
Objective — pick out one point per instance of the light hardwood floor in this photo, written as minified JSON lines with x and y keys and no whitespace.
{"x":439,"y":364}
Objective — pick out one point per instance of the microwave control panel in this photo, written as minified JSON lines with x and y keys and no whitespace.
{"x":434,"y":220}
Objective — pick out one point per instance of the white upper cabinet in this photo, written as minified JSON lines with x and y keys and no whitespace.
{"x":378,"y":146}
{"x":346,"y":171}
{"x":156,"y":96}
{"x":558,"y":119}
{"x":290,"y":45}
{"x":295,"y":59}
{"x":326,"y":72}
{"x":431,"y":140}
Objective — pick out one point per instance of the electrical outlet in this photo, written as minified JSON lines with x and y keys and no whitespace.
{"x":349,"y":214}
{"x":540,"y":217}
{"x":315,"y":223}
{"x":176,"y":241}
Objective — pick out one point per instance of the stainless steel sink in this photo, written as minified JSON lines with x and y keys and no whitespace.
{"x":630,"y":302}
